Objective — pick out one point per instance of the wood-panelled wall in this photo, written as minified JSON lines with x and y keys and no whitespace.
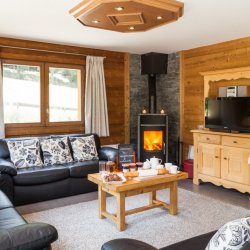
{"x":116,"y":67}
{"x":232,"y":54}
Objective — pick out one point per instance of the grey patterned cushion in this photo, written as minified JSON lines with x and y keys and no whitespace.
{"x":56,"y":151}
{"x":25,"y":153}
{"x":84,"y":148}
{"x":232,"y":236}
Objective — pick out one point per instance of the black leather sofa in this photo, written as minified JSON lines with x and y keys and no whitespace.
{"x":35,"y":184}
{"x":196,"y":243}
{"x":16,"y":233}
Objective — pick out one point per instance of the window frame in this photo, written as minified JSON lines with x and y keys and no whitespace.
{"x":42,"y":113}
{"x":66,"y":66}
{"x":45,"y":126}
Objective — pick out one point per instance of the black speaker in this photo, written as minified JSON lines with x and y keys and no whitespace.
{"x":154,"y":63}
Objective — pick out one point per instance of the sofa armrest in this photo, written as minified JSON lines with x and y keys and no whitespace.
{"x":125,"y":244}
{"x":108,"y":153}
{"x":7,"y":167}
{"x":196,"y":243}
{"x":28,"y":236}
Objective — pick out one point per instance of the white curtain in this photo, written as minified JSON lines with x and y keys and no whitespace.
{"x":2,"y":129}
{"x":96,"y":111}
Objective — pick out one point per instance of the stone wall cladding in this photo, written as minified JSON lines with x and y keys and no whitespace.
{"x":168,"y":97}
{"x":138,"y":94}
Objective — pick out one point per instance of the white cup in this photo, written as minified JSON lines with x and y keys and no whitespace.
{"x":168,"y":165}
{"x":173,"y":169}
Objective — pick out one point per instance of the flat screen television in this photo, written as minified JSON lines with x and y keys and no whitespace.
{"x":228,"y":113}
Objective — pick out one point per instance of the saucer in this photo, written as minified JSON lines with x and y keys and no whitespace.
{"x":175,"y":173}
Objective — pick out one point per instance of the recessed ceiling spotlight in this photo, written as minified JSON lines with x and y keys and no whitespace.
{"x":159,"y":17}
{"x":95,"y":21}
{"x":119,"y":8}
{"x":131,"y":27}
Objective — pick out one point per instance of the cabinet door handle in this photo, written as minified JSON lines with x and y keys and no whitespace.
{"x":235,"y":141}
{"x":208,"y":139}
{"x":225,"y":158}
{"x":217,"y":157}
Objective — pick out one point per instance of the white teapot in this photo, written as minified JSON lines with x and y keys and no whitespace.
{"x":155,"y":162}
{"x":146,"y":164}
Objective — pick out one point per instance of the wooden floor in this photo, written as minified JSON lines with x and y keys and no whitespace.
{"x":207,"y":189}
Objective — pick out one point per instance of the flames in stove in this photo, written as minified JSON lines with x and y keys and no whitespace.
{"x":153,"y":140}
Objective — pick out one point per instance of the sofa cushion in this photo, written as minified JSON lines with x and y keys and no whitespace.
{"x":9,"y":218}
{"x":4,"y":150}
{"x":233,"y":235}
{"x":96,"y":137}
{"x":41,"y":175}
{"x":56,"y":151}
{"x":84,"y":148}
{"x":82,"y":169}
{"x":25,"y":153}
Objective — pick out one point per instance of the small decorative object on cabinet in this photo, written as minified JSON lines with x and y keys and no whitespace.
{"x":144,"y":110}
{"x":222,"y":159}
{"x":162,"y":111}
{"x":232,"y":91}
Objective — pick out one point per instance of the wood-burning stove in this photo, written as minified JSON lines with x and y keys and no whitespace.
{"x":153,"y":128}
{"x":152,"y":137}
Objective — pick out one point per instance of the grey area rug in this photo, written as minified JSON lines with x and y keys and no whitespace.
{"x":80,"y":228}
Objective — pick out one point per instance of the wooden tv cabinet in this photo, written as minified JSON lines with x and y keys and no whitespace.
{"x":222,"y":159}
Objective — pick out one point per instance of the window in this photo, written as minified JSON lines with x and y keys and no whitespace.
{"x":21,"y":93}
{"x":42,"y":98}
{"x":64,"y":94}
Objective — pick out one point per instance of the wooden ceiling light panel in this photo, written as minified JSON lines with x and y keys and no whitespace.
{"x":126,"y":19}
{"x":127,"y":15}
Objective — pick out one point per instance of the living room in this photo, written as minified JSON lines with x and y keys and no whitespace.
{"x":124,"y":124}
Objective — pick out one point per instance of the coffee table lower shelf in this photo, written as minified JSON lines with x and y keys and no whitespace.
{"x":131,"y":189}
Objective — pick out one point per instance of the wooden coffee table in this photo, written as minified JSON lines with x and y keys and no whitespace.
{"x":134,"y":187}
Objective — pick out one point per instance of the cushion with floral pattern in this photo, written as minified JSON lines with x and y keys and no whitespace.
{"x":232,"y":236}
{"x":56,"y":151}
{"x":25,"y":153}
{"x":84,"y":148}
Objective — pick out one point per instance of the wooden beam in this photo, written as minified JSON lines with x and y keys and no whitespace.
{"x":59,"y":48}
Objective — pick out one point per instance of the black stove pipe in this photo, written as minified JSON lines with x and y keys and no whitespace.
{"x":152,"y":93}
{"x":151,"y":65}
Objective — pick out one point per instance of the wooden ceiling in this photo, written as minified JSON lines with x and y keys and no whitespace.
{"x":127,"y":15}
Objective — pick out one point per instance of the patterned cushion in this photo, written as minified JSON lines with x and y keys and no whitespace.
{"x":232,"y":236}
{"x":25,"y":153}
{"x":56,"y":151}
{"x":84,"y":148}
